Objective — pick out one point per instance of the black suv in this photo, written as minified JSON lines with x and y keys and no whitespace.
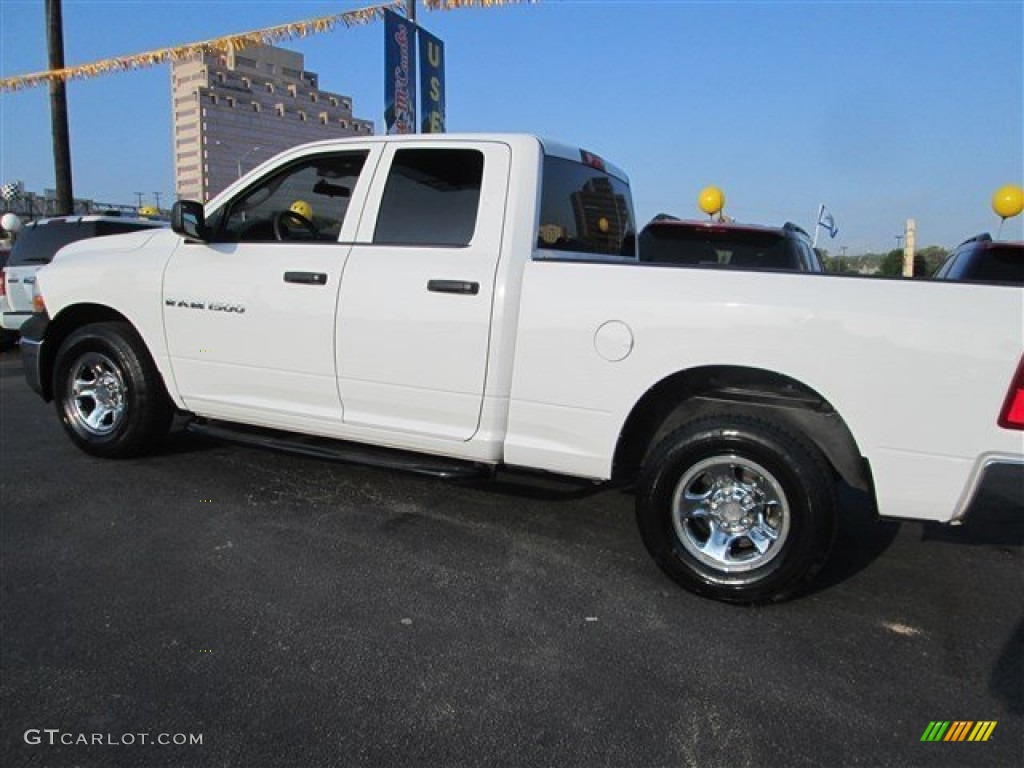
{"x":982,"y":259}
{"x":667,"y":240}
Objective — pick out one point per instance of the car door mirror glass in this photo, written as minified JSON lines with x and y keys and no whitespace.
{"x":187,"y":220}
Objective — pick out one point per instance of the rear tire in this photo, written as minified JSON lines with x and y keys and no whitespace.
{"x":737,"y":508}
{"x":109,"y":396}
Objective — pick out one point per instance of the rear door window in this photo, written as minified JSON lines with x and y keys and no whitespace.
{"x":38,"y":245}
{"x":699,"y":246}
{"x":1000,"y":264}
{"x":431,"y":197}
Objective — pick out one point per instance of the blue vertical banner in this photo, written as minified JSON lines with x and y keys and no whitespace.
{"x":399,"y":74}
{"x":431,"y":82}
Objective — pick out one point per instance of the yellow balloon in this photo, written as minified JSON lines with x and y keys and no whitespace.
{"x":1008,"y":201}
{"x":711,"y":200}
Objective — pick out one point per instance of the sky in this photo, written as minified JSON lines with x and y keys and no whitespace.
{"x":881,"y":111}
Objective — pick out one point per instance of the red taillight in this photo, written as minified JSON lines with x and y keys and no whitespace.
{"x":1012,"y":415}
{"x":3,"y":285}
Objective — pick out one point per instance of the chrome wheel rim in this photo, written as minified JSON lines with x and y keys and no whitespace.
{"x":731,"y":514}
{"x":96,"y":395}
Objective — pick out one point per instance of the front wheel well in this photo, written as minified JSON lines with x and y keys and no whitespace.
{"x":690,"y":394}
{"x":66,"y":322}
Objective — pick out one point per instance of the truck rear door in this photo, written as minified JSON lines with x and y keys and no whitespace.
{"x":414,"y":312}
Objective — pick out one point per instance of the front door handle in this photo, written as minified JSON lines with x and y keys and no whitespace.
{"x":453,"y":286}
{"x":306,"y":278}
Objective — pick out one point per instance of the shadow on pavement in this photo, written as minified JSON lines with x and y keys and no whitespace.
{"x":861,"y":538}
{"x":178,"y":441}
{"x":1007,"y":680}
{"x":996,"y":519}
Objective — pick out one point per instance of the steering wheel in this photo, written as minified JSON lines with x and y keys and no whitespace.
{"x":281,"y":231}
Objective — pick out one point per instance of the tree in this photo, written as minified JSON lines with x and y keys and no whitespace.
{"x":926,"y":261}
{"x":931,"y":259}
{"x":892,"y":263}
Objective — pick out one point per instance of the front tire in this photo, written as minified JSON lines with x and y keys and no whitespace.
{"x":738,"y":508}
{"x":109,"y":396}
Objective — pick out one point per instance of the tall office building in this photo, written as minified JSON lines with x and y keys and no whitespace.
{"x":234,"y":110}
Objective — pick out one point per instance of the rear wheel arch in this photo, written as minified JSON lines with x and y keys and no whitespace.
{"x":690,"y":394}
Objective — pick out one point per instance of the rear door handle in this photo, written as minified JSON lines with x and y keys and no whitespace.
{"x":306,"y":278}
{"x":453,"y":286}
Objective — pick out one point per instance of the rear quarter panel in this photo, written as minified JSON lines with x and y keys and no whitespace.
{"x":918,"y":370}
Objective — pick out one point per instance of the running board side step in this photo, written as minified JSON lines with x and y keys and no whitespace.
{"x":340,"y":450}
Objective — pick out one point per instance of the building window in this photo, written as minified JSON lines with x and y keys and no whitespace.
{"x":344,"y":123}
{"x":289,"y":72}
{"x":279,"y":109}
{"x":302,"y":116}
{"x":313,"y":97}
{"x":242,"y":61}
{"x":333,"y":101}
{"x":270,"y":87}
{"x":255,"y":106}
{"x":213,"y":98}
{"x":292,"y":91}
{"x":220,"y":77}
{"x":324,"y":120}
{"x":347,"y":106}
{"x":247,"y":83}
{"x":231,"y":101}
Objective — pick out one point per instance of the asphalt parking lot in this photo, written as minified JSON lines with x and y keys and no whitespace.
{"x":295,"y":612}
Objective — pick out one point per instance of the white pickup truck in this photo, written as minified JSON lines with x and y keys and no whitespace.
{"x":476,"y":301}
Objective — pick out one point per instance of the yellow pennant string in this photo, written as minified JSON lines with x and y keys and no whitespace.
{"x":240,"y":41}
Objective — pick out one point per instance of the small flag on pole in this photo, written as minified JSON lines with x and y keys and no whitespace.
{"x":828,"y":223}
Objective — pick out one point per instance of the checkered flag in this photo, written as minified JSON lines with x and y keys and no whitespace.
{"x":11,"y":190}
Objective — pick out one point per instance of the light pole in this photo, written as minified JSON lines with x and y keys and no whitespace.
{"x":247,"y":153}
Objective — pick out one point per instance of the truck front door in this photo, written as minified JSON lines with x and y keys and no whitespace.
{"x":250,"y":315}
{"x":414,"y":314}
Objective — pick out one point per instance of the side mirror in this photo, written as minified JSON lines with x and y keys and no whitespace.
{"x":188,"y":220}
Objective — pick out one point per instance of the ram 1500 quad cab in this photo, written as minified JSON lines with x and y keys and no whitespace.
{"x":478,"y":301}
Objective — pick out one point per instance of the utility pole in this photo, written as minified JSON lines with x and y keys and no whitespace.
{"x":908,"y":249}
{"x":59,"y":110}
{"x":139,"y":195}
{"x":157,"y":196}
{"x":410,"y":10}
